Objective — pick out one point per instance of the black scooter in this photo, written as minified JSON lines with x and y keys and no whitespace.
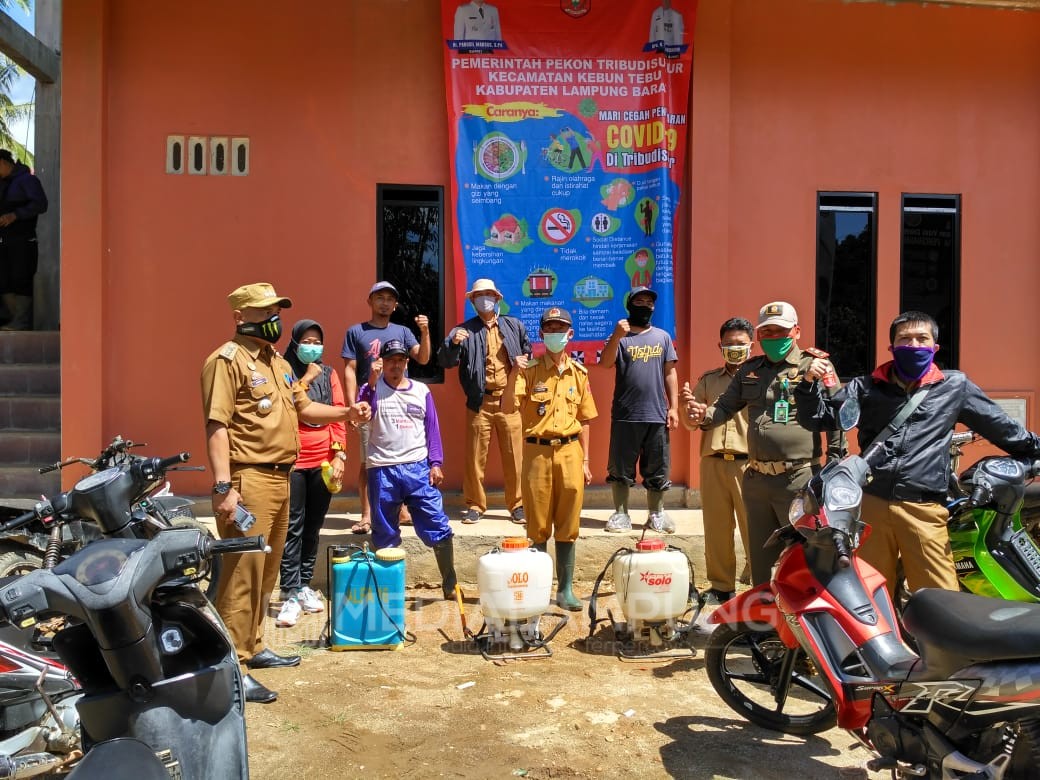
{"x":162,"y":689}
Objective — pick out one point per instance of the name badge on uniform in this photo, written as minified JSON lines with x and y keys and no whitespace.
{"x":781,"y":412}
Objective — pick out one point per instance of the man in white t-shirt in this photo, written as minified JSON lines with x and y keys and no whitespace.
{"x":404,"y":460}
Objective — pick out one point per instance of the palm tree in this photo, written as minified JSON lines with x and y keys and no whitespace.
{"x":9,"y":110}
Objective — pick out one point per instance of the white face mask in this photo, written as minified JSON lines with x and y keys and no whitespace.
{"x":484,"y":304}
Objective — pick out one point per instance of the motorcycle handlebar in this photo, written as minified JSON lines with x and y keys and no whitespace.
{"x":243,"y":544}
{"x":173,"y":460}
{"x":18,"y":522}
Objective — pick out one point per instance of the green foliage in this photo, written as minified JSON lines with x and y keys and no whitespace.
{"x":11,"y":112}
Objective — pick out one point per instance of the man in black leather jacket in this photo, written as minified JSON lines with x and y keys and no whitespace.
{"x":905,"y":501}
{"x":484,"y":348}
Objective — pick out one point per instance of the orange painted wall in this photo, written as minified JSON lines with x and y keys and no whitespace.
{"x":339,"y":95}
{"x":806,"y":95}
{"x":333,"y":104}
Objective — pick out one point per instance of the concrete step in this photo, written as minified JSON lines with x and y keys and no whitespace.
{"x":29,"y":448}
{"x":30,"y":413}
{"x":30,"y":346}
{"x":26,"y":482}
{"x":30,"y":379}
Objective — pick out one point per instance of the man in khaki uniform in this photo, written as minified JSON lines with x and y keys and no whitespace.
{"x":781,"y":453}
{"x":724,"y":456}
{"x":556,"y":406}
{"x":251,"y":401}
{"x":484,"y":347}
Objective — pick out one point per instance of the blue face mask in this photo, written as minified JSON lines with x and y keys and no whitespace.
{"x":912,"y":363}
{"x":308,"y":353}
{"x":555,"y":342}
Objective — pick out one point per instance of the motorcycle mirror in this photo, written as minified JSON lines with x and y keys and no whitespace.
{"x":848,"y":413}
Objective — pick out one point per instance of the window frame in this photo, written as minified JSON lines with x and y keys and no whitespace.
{"x":845,"y":201}
{"x":397,"y":195}
{"x":927,"y":203}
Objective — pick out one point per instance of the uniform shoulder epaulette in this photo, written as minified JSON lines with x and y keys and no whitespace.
{"x":709,"y":371}
{"x":817,"y":353}
{"x":580,"y":367}
{"x":228,"y":351}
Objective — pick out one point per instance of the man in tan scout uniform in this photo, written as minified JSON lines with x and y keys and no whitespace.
{"x":484,"y":347}
{"x":251,"y":401}
{"x":724,"y":457}
{"x":781,"y":453}
{"x":556,"y":405}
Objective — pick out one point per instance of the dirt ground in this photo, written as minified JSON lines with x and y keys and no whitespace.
{"x":436,"y":708}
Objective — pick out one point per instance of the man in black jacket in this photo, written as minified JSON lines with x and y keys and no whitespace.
{"x":905,"y":501}
{"x":485,"y":347}
{"x":23,"y":201}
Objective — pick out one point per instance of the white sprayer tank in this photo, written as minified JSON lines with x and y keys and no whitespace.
{"x":652,"y":583}
{"x":514,"y":584}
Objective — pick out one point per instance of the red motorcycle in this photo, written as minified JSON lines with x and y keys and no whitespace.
{"x":820,"y":645}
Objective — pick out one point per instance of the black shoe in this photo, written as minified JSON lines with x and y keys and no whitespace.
{"x":715,"y":598}
{"x":256,"y":692}
{"x":269,"y":659}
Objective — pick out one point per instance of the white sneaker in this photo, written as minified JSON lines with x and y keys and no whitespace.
{"x":289,"y":614}
{"x":310,"y":600}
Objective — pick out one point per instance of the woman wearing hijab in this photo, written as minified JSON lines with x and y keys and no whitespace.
{"x":309,"y":497}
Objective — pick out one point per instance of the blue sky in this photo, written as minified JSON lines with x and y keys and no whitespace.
{"x":22,"y":89}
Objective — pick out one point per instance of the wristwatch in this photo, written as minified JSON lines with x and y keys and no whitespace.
{"x":341,"y":455}
{"x":222,"y":488}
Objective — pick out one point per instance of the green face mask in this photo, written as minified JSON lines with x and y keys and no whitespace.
{"x":775,"y":349}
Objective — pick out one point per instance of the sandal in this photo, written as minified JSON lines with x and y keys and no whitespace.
{"x":361,"y":527}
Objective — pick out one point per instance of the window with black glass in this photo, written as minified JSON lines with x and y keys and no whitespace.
{"x":410,"y":255}
{"x":846,"y":273}
{"x":930,"y":267}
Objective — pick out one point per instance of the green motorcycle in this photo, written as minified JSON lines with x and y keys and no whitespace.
{"x":994,"y":514}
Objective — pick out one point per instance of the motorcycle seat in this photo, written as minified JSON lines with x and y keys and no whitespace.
{"x":954,"y":630}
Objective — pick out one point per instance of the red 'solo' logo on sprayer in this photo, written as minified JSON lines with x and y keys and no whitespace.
{"x":655,"y":580}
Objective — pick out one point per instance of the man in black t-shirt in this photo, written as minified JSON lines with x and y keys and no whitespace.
{"x":645,"y":409}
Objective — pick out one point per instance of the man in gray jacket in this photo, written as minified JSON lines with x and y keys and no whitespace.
{"x":484,"y":348}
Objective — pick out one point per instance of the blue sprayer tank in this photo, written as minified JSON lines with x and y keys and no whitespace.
{"x":367,"y":599}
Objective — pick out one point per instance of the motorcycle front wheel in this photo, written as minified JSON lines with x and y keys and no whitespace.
{"x":763,"y":680}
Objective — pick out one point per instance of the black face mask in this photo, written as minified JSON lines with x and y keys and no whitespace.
{"x":639,"y":315}
{"x":268,"y":330}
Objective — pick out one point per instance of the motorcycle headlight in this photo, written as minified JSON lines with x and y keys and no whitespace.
{"x":841,"y":492}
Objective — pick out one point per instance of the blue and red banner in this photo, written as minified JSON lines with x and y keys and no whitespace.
{"x":568,"y":135}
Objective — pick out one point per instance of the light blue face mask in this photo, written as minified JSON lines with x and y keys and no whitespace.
{"x":308,"y":353}
{"x":555,"y":342}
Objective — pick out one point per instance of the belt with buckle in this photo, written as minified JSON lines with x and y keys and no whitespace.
{"x":493,"y":393}
{"x":557,"y":442}
{"x":281,"y":467}
{"x":775,"y":467}
{"x":729,"y":455}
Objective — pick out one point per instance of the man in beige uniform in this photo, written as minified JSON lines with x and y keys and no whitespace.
{"x":723,"y":461}
{"x":251,"y":401}
{"x":781,"y":453}
{"x":556,"y":405}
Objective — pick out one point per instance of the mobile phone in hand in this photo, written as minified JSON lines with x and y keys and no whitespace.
{"x":244,"y":519}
